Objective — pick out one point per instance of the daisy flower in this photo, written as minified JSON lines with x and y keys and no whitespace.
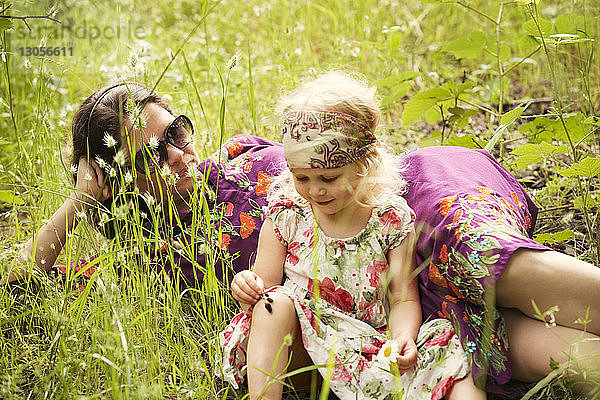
{"x":388,"y":353}
{"x":73,"y":169}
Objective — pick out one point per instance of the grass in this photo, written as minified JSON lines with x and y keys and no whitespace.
{"x":133,"y":332}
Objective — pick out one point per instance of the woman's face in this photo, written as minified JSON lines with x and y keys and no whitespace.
{"x":175,"y":177}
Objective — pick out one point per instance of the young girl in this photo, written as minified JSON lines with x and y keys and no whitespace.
{"x":338,"y":237}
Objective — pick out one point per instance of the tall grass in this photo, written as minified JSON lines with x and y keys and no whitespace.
{"x":134,"y":332}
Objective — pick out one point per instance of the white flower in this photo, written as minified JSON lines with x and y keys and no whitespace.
{"x":132,"y":59}
{"x":112,"y":172}
{"x":109,"y":140}
{"x":153,"y":142}
{"x":148,"y":199}
{"x":121,"y":212}
{"x":87,"y":176}
{"x":128,"y":178}
{"x":388,"y":353}
{"x":234,"y":60}
{"x":81,"y":214}
{"x":73,"y":169}
{"x":173,"y":179}
{"x":42,"y":261}
{"x":101,"y":163}
{"x":120,"y":157}
{"x":131,"y":106}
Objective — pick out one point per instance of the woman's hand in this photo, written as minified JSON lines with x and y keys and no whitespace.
{"x":247,"y":287}
{"x":408,"y":354}
{"x":90,"y":181}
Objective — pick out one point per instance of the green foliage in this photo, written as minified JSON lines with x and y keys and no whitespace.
{"x":531,"y":153}
{"x":447,"y":70}
{"x":470,"y":47}
{"x":588,"y":167}
{"x":551,"y":238}
{"x":5,"y":24}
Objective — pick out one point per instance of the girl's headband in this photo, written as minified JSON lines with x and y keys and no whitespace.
{"x":324,"y":139}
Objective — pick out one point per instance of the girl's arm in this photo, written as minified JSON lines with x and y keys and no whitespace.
{"x":247,"y":286}
{"x":45,"y":246}
{"x":405,"y":307}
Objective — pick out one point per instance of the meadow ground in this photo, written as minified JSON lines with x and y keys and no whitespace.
{"x":516,"y":77}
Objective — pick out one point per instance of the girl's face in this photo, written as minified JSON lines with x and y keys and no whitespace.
{"x":175,"y":180}
{"x":329,"y":191}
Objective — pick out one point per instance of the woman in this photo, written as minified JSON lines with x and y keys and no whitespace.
{"x":442,"y":182}
{"x":127,"y":134}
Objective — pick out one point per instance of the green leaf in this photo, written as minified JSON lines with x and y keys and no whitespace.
{"x":511,"y":116}
{"x":531,"y":28}
{"x":532,"y":153}
{"x":575,"y":126}
{"x":538,"y":130}
{"x":569,"y":23}
{"x":467,"y":48}
{"x":7,"y":196}
{"x":468,"y":141}
{"x":506,"y":119}
{"x":552,"y":238}
{"x":415,"y":108}
{"x":588,"y":167}
{"x":460,"y":116}
{"x":5,"y":24}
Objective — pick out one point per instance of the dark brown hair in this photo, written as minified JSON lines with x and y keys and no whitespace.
{"x":105,"y":112}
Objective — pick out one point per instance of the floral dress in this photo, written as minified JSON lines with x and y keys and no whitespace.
{"x":471,"y":216}
{"x":344,"y":325}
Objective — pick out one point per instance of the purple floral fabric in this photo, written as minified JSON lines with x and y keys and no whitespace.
{"x":472,"y":214}
{"x":238,"y":176}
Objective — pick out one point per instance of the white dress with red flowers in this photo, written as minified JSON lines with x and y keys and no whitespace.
{"x":346,"y":324}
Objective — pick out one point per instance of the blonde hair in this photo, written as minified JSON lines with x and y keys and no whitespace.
{"x":346,"y":93}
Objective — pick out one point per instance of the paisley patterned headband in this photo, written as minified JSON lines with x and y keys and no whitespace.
{"x":324,"y":139}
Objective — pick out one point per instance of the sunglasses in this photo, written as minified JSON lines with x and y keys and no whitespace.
{"x":177,"y":134}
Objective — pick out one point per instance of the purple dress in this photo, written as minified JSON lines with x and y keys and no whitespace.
{"x":238,"y":176}
{"x":472,"y":214}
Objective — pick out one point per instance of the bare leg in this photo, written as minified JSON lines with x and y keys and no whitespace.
{"x":267,"y":333}
{"x":465,"y":389}
{"x":551,"y":278}
{"x":532,"y":344}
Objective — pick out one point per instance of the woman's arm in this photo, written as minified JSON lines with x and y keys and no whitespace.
{"x":247,"y":286}
{"x":45,"y":246}
{"x":405,"y":307}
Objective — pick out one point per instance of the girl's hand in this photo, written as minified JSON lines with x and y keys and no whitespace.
{"x":90,"y":179}
{"x":247,"y":287}
{"x":408,"y":354}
